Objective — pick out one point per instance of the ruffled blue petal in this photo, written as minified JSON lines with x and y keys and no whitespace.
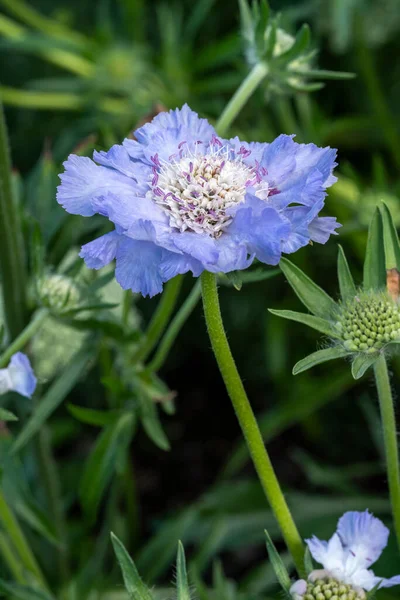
{"x":100,"y":252}
{"x":233,"y":255}
{"x":126,"y":209}
{"x":200,"y":247}
{"x":363,"y":535}
{"x":21,"y":374}
{"x":262,"y":228}
{"x":138,"y":267}
{"x":321,"y":228}
{"x":84,"y":182}
{"x":117,"y":158}
{"x":167,"y":133}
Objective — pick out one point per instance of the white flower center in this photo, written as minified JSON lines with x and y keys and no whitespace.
{"x":198,"y":190}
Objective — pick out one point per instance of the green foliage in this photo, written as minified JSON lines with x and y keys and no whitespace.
{"x":118,"y":383}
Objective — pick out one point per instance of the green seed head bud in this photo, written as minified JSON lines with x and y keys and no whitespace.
{"x":59,"y":293}
{"x":368,"y":322}
{"x":331,"y":589}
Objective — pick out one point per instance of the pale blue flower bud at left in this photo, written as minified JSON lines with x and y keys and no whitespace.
{"x":18,"y":376}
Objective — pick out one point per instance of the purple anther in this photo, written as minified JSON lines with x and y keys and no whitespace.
{"x":273,"y":192}
{"x":215,"y":141}
{"x":191,"y":167}
{"x":244,"y":152}
{"x":222,"y":165}
{"x":158,"y":192}
{"x":181,"y":144}
{"x":155,"y":160}
{"x":171,"y":157}
{"x":264,"y":171}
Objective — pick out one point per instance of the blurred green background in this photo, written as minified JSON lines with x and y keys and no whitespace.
{"x":81,"y":75}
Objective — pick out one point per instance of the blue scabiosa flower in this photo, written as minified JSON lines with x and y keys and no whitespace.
{"x":183,"y":199}
{"x":346,"y":557}
{"x":18,"y":376}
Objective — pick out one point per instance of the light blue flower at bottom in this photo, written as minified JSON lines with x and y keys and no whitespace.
{"x":357,"y":543}
{"x":18,"y":376}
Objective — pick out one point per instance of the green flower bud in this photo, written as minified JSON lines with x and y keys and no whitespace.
{"x":59,"y":293}
{"x":331,"y":589}
{"x":368,"y":322}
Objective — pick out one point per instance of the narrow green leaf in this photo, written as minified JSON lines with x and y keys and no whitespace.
{"x":346,"y":282}
{"x":299,"y":46}
{"x":317,"y":323}
{"x":54,"y":396}
{"x":305,"y":87}
{"x":102,"y":462}
{"x":318,"y":357}
{"x":235,"y":278}
{"x":311,"y":295}
{"x":135,"y":587}
{"x":6,"y":415}
{"x":322,"y":74}
{"x":362,"y":363}
{"x":278,"y":565}
{"x":151,"y":422}
{"x":92,"y":416}
{"x":308,"y":561}
{"x":246,"y":20}
{"x":182,"y":585}
{"x":270,"y":40}
{"x":22,"y":592}
{"x":372,"y":593}
{"x":374,"y":263}
{"x":390,"y":239}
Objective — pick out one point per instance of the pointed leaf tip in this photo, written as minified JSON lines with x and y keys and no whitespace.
{"x":134,"y":585}
{"x":182,"y":584}
{"x":277,"y":564}
{"x":346,"y":283}
{"x":374,"y":263}
{"x":319,"y":357}
{"x":311,"y":295}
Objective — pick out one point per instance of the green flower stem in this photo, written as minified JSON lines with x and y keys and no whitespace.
{"x":160,"y":318}
{"x":240,"y":97}
{"x":247,"y":419}
{"x":12,"y":264}
{"x":12,"y":529}
{"x":174,"y":328}
{"x":24,"y":337}
{"x":390,"y":438}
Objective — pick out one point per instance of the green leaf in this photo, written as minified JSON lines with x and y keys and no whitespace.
{"x":182,"y":585}
{"x":374,"y":263}
{"x":151,"y":422}
{"x":318,"y":357}
{"x":6,"y":415}
{"x":315,"y":322}
{"x":101,"y":464}
{"x":22,"y":592}
{"x":362,"y":363}
{"x":54,"y":396}
{"x":390,"y":239}
{"x":235,"y":278}
{"x":135,"y":587}
{"x":299,"y":46}
{"x":322,"y":74}
{"x":308,"y":561}
{"x":92,"y":416}
{"x":278,"y":565}
{"x":371,"y":594}
{"x":270,"y":41}
{"x":311,"y":295}
{"x":346,"y":282}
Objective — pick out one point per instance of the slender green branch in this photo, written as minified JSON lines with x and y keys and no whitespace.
{"x":174,"y":328}
{"x":247,"y":419}
{"x":240,"y":97}
{"x":390,"y":438}
{"x":160,"y":318}
{"x":12,"y":264}
{"x":11,"y":527}
{"x":24,"y":337}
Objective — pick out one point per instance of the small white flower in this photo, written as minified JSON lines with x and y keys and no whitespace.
{"x":358,"y":542}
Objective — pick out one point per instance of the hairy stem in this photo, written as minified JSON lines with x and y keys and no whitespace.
{"x":390,"y":438}
{"x":247,"y":419}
